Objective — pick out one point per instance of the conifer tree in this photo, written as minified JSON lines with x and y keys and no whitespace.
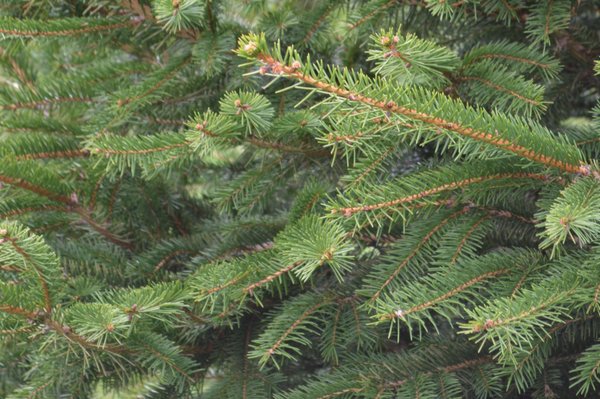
{"x":299,"y":199}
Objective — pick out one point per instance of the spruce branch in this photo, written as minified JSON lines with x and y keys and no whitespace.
{"x":504,"y":322}
{"x":44,"y":102}
{"x":218,"y":129}
{"x":376,"y":7}
{"x":177,"y":15}
{"x":573,"y":215}
{"x":447,"y":291}
{"x":18,"y":311}
{"x":101,"y":229}
{"x":415,"y":254}
{"x":587,"y":373}
{"x":212,"y":232}
{"x":63,"y":27}
{"x":21,"y":183}
{"x":288,"y":330}
{"x":34,"y":259}
{"x":401,"y":197}
{"x":506,"y":138}
{"x":410,"y":60}
{"x":521,"y":58}
{"x":271,"y":277}
{"x":532,"y":360}
{"x":468,"y":235}
{"x":459,"y":289}
{"x":492,"y":84}
{"x":165,"y":358}
{"x":155,"y":82}
{"x":317,"y":24}
{"x":20,"y":72}
{"x":547,"y":18}
{"x":349,"y":211}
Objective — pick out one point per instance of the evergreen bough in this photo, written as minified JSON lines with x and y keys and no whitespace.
{"x":299,"y":199}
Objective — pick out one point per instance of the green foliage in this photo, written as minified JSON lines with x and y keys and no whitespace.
{"x":28,"y":28}
{"x":176,"y":15}
{"x":410,"y":60}
{"x":574,"y":215}
{"x":364,"y":199}
{"x":587,"y":370}
{"x":548,"y":17}
{"x":251,"y":110}
{"x":315,"y":243}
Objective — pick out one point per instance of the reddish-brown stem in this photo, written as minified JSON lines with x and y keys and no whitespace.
{"x":467,"y":364}
{"x":42,"y":208}
{"x":21,"y":74}
{"x":113,"y":199}
{"x":70,"y":207}
{"x":373,"y":165}
{"x":68,"y":333}
{"x":510,"y":58}
{"x":95,"y":191}
{"x":170,"y":362}
{"x":286,"y":148}
{"x":313,"y":29}
{"x":265,"y":144}
{"x":39,"y":389}
{"x":123,"y":101}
